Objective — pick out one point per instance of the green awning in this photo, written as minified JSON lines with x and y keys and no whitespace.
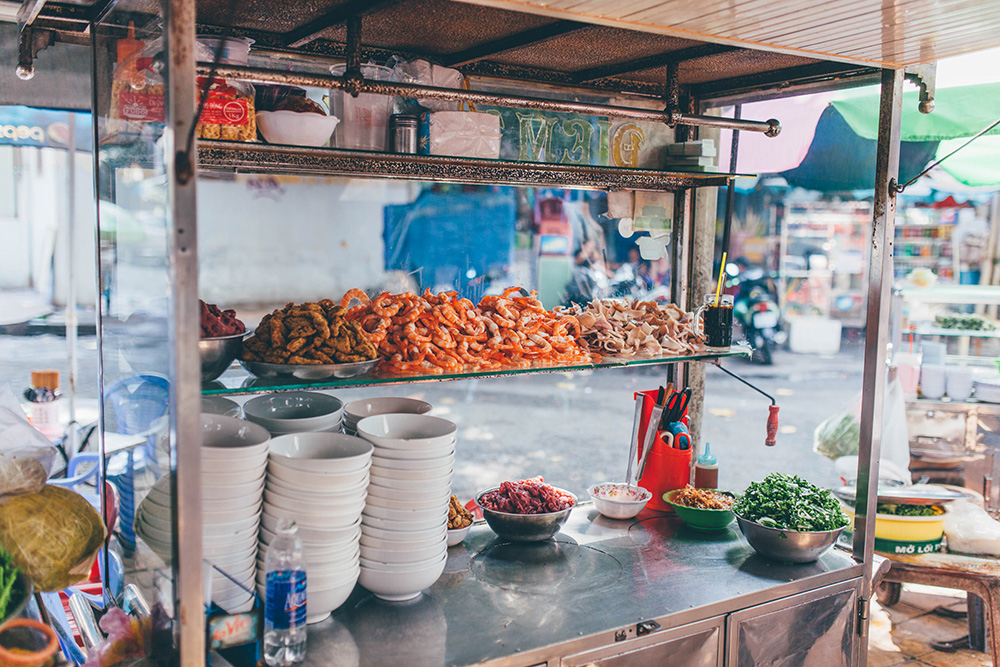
{"x":976,"y":165}
{"x":958,"y":112}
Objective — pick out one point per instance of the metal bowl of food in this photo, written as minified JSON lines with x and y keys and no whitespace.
{"x":525,"y":527}
{"x":218,"y":353}
{"x":791,"y":546}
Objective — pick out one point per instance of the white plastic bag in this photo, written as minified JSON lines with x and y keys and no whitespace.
{"x":971,"y":530}
{"x":840,"y":434}
{"x":25,"y":454}
{"x":428,"y":74}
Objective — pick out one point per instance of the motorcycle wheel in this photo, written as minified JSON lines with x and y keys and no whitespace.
{"x":762,"y":351}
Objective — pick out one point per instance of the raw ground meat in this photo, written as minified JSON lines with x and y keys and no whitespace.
{"x":529,"y":496}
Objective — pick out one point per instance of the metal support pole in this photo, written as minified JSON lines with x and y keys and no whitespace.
{"x":876,"y":336}
{"x":680,"y":268}
{"x":71,"y":310}
{"x":185,"y":387}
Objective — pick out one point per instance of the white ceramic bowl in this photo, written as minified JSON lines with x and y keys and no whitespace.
{"x":295,"y":128}
{"x":407,"y":514}
{"x":415,"y":488}
{"x":414,"y":475}
{"x":404,"y":503}
{"x":256,"y":462}
{"x":151,"y":509}
{"x":229,"y":438}
{"x":234,"y":503}
{"x":435,"y":532}
{"x":243,"y":546}
{"x":355,"y":411}
{"x":233,"y":562}
{"x":318,"y":481}
{"x":307,"y":534}
{"x":294,"y":411}
{"x":369,"y":541}
{"x":404,"y":526}
{"x":320,"y":557}
{"x":399,"y":586}
{"x":381,"y":566}
{"x":322,"y":600}
{"x":408,"y":556}
{"x":436,"y":493}
{"x":456,"y":535}
{"x":438,"y":455}
{"x":321,"y":521}
{"x":238,"y":517}
{"x":407,"y":431}
{"x":332,"y":494}
{"x":272,"y":500}
{"x":225,"y":491}
{"x":412,"y":464}
{"x":321,"y":452}
{"x":220,"y":405}
{"x":619,"y":500}
{"x":227,"y":478}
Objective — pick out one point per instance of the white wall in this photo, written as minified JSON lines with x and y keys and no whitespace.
{"x":269,"y":240}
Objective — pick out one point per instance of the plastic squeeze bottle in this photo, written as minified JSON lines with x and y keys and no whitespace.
{"x":285,"y":599}
{"x":706,"y":470}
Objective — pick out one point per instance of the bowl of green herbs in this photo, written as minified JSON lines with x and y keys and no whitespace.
{"x":15,"y":589}
{"x":786,"y":518}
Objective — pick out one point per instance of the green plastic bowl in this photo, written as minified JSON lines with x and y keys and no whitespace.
{"x":699,"y":518}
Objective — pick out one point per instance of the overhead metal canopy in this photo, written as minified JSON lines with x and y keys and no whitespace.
{"x":889,"y":33}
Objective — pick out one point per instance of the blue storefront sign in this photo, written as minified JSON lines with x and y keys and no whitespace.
{"x":42,"y":128}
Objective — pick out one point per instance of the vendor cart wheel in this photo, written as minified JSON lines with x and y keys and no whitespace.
{"x":888,"y":593}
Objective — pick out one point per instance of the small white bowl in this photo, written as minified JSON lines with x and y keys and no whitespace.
{"x":393,"y":473}
{"x":272,"y":500}
{"x":293,"y":128}
{"x":233,"y":504}
{"x":404,"y":526}
{"x":407,"y":431}
{"x":225,"y":491}
{"x":243,"y":546}
{"x":619,"y":500}
{"x":456,"y":535}
{"x":408,"y":556}
{"x":225,"y":478}
{"x":406,"y":514}
{"x":234,"y":562}
{"x":400,"y":586}
{"x":307,"y":534}
{"x":220,"y":405}
{"x":414,"y":488}
{"x":322,"y":602}
{"x":318,"y":481}
{"x":295,"y":411}
{"x":329,"y":492}
{"x":256,"y":462}
{"x":438,"y":455}
{"x":321,"y":521}
{"x":355,"y":411}
{"x":404,"y":503}
{"x":435,"y":532}
{"x":321,"y":452}
{"x":440,"y":551}
{"x":238,"y":518}
{"x":380,"y":543}
{"x":412,"y":464}
{"x":391,"y":493}
{"x":228,"y":438}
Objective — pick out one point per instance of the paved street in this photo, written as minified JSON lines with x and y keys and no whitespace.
{"x":573,"y":428}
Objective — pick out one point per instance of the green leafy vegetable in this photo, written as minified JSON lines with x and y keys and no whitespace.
{"x":838,"y":436}
{"x":909,"y":510}
{"x":967,"y":322}
{"x":8,"y":577}
{"x":789,"y":502}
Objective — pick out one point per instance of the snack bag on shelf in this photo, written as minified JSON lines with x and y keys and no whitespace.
{"x":25,"y":454}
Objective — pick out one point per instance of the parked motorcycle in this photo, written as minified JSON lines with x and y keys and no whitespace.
{"x":756,"y":310}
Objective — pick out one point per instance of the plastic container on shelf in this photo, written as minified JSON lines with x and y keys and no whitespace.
{"x":364,"y":119}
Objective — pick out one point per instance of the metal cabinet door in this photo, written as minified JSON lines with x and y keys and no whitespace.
{"x":815,"y":629}
{"x":694,"y":645}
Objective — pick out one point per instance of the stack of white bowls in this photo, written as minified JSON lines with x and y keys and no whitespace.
{"x":355,"y":411}
{"x":234,"y":458}
{"x":295,"y":412}
{"x":404,"y":528}
{"x":319,"y":481}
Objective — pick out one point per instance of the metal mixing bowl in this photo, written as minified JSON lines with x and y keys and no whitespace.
{"x":218,"y":353}
{"x":791,"y":546}
{"x":525,"y":527}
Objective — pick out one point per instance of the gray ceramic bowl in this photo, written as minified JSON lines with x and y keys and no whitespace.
{"x":791,"y":546}
{"x":218,"y":353}
{"x":525,"y":527}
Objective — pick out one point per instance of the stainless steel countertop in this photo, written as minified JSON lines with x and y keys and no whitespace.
{"x":497,"y":599}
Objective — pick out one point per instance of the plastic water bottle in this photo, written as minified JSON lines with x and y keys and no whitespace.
{"x":285,"y":599}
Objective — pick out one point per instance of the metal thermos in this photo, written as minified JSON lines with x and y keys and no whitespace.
{"x":403,"y":133}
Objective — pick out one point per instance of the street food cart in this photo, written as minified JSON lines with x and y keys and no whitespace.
{"x":605,"y":592}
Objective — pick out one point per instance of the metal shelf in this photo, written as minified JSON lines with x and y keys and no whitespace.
{"x":954,"y":333}
{"x":956,"y":294}
{"x":239,"y":382}
{"x":222,"y":156}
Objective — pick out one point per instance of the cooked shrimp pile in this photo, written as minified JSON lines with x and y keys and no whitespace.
{"x":441,"y":333}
